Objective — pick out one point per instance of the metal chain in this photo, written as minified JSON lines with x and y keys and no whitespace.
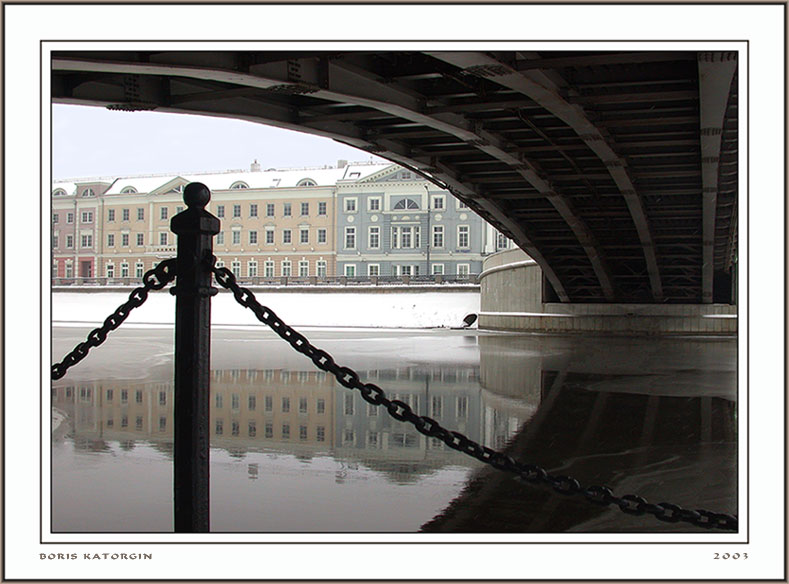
{"x":154,"y":279}
{"x":401,"y":411}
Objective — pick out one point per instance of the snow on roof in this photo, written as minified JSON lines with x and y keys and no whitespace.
{"x":69,"y":186}
{"x":272,"y":178}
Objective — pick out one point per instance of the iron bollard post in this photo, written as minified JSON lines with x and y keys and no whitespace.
{"x":195,"y":228}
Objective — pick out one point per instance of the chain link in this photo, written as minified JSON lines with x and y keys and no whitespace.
{"x":154,"y":279}
{"x":401,"y":411}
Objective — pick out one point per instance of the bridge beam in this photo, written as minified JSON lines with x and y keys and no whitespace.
{"x":716,"y":72}
{"x":544,"y":91}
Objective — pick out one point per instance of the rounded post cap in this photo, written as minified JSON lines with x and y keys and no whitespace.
{"x":196,"y":195}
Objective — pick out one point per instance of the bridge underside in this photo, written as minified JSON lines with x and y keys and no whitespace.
{"x":615,"y":171}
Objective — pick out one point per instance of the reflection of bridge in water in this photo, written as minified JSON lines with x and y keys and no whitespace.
{"x":656,"y":418}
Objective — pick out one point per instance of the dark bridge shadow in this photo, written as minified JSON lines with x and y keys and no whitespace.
{"x":625,"y":430}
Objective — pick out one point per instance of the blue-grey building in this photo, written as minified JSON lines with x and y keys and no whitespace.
{"x":395,"y":223}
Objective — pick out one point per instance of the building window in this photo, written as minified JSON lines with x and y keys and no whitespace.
{"x":110,"y":271}
{"x":350,"y":205}
{"x":162,"y":398}
{"x":220,"y":211}
{"x":125,"y":214}
{"x":438,"y":202}
{"x":463,"y":236}
{"x":236,"y":237}
{"x":320,"y":434}
{"x":268,"y":269}
{"x":140,"y":239}
{"x":374,"y":238}
{"x":302,"y":432}
{"x":304,"y":269}
{"x":163,"y":214}
{"x":124,"y":240}
{"x":235,"y":267}
{"x":286,"y":236}
{"x":373,"y":269}
{"x":218,"y":401}
{"x":322,"y":208}
{"x":350,"y":238}
{"x":269,"y":235}
{"x":374,"y":204}
{"x":305,"y":209}
{"x":124,"y":270}
{"x":253,"y":237}
{"x":405,"y":237}
{"x":438,"y":236}
{"x":220,"y":238}
{"x":306,"y":182}
{"x":235,"y":402}
{"x":269,"y":209}
{"x":406,"y":204}
{"x":252,"y":429}
{"x":286,"y":268}
{"x":268,"y":430}
{"x":87,"y":216}
{"x":124,"y":396}
{"x":236,"y":211}
{"x":55,"y":240}
{"x":139,"y":268}
{"x":286,"y":431}
{"x":286,"y":209}
{"x":110,"y":240}
{"x":461,"y":407}
{"x":163,"y":238}
{"x":302,"y":405}
{"x":87,"y":240}
{"x":350,"y":270}
{"x":219,"y":428}
{"x":461,"y":204}
{"x":501,"y":241}
{"x":252,"y":403}
{"x":320,"y":406}
{"x":347,"y":436}
{"x":436,"y":406}
{"x":320,"y":268}
{"x":69,"y":241}
{"x":253,"y":210}
{"x":463,"y":270}
{"x":88,"y":193}
{"x":268,"y":403}
{"x":128,"y":190}
{"x":322,"y":235}
{"x":348,"y":404}
{"x":69,"y":217}
{"x":59,"y":193}
{"x":437,"y":269}
{"x":138,"y":396}
{"x":110,"y":215}
{"x":140,"y":214}
{"x":252,"y":269}
{"x":304,"y":235}
{"x":239,"y":185}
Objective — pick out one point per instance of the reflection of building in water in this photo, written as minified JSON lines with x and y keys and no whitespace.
{"x":302,"y":412}
{"x":450,"y":395}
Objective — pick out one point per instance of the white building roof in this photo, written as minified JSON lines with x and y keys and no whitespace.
{"x":272,"y":178}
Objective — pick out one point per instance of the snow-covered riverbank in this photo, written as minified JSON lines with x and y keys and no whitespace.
{"x":364,"y":309}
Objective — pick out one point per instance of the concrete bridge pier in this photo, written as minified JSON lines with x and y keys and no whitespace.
{"x":512,"y":298}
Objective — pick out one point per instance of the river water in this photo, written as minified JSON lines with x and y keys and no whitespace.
{"x":292,"y":451}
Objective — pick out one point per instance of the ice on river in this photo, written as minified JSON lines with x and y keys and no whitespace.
{"x":330,"y":309}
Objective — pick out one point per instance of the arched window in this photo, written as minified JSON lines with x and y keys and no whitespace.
{"x":128,"y":190}
{"x":406,"y":204}
{"x":59,"y":193}
{"x":306,"y":182}
{"x":239,"y":185}
{"x":88,"y":193}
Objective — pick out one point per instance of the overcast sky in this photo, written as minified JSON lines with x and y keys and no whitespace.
{"x":93,"y":141}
